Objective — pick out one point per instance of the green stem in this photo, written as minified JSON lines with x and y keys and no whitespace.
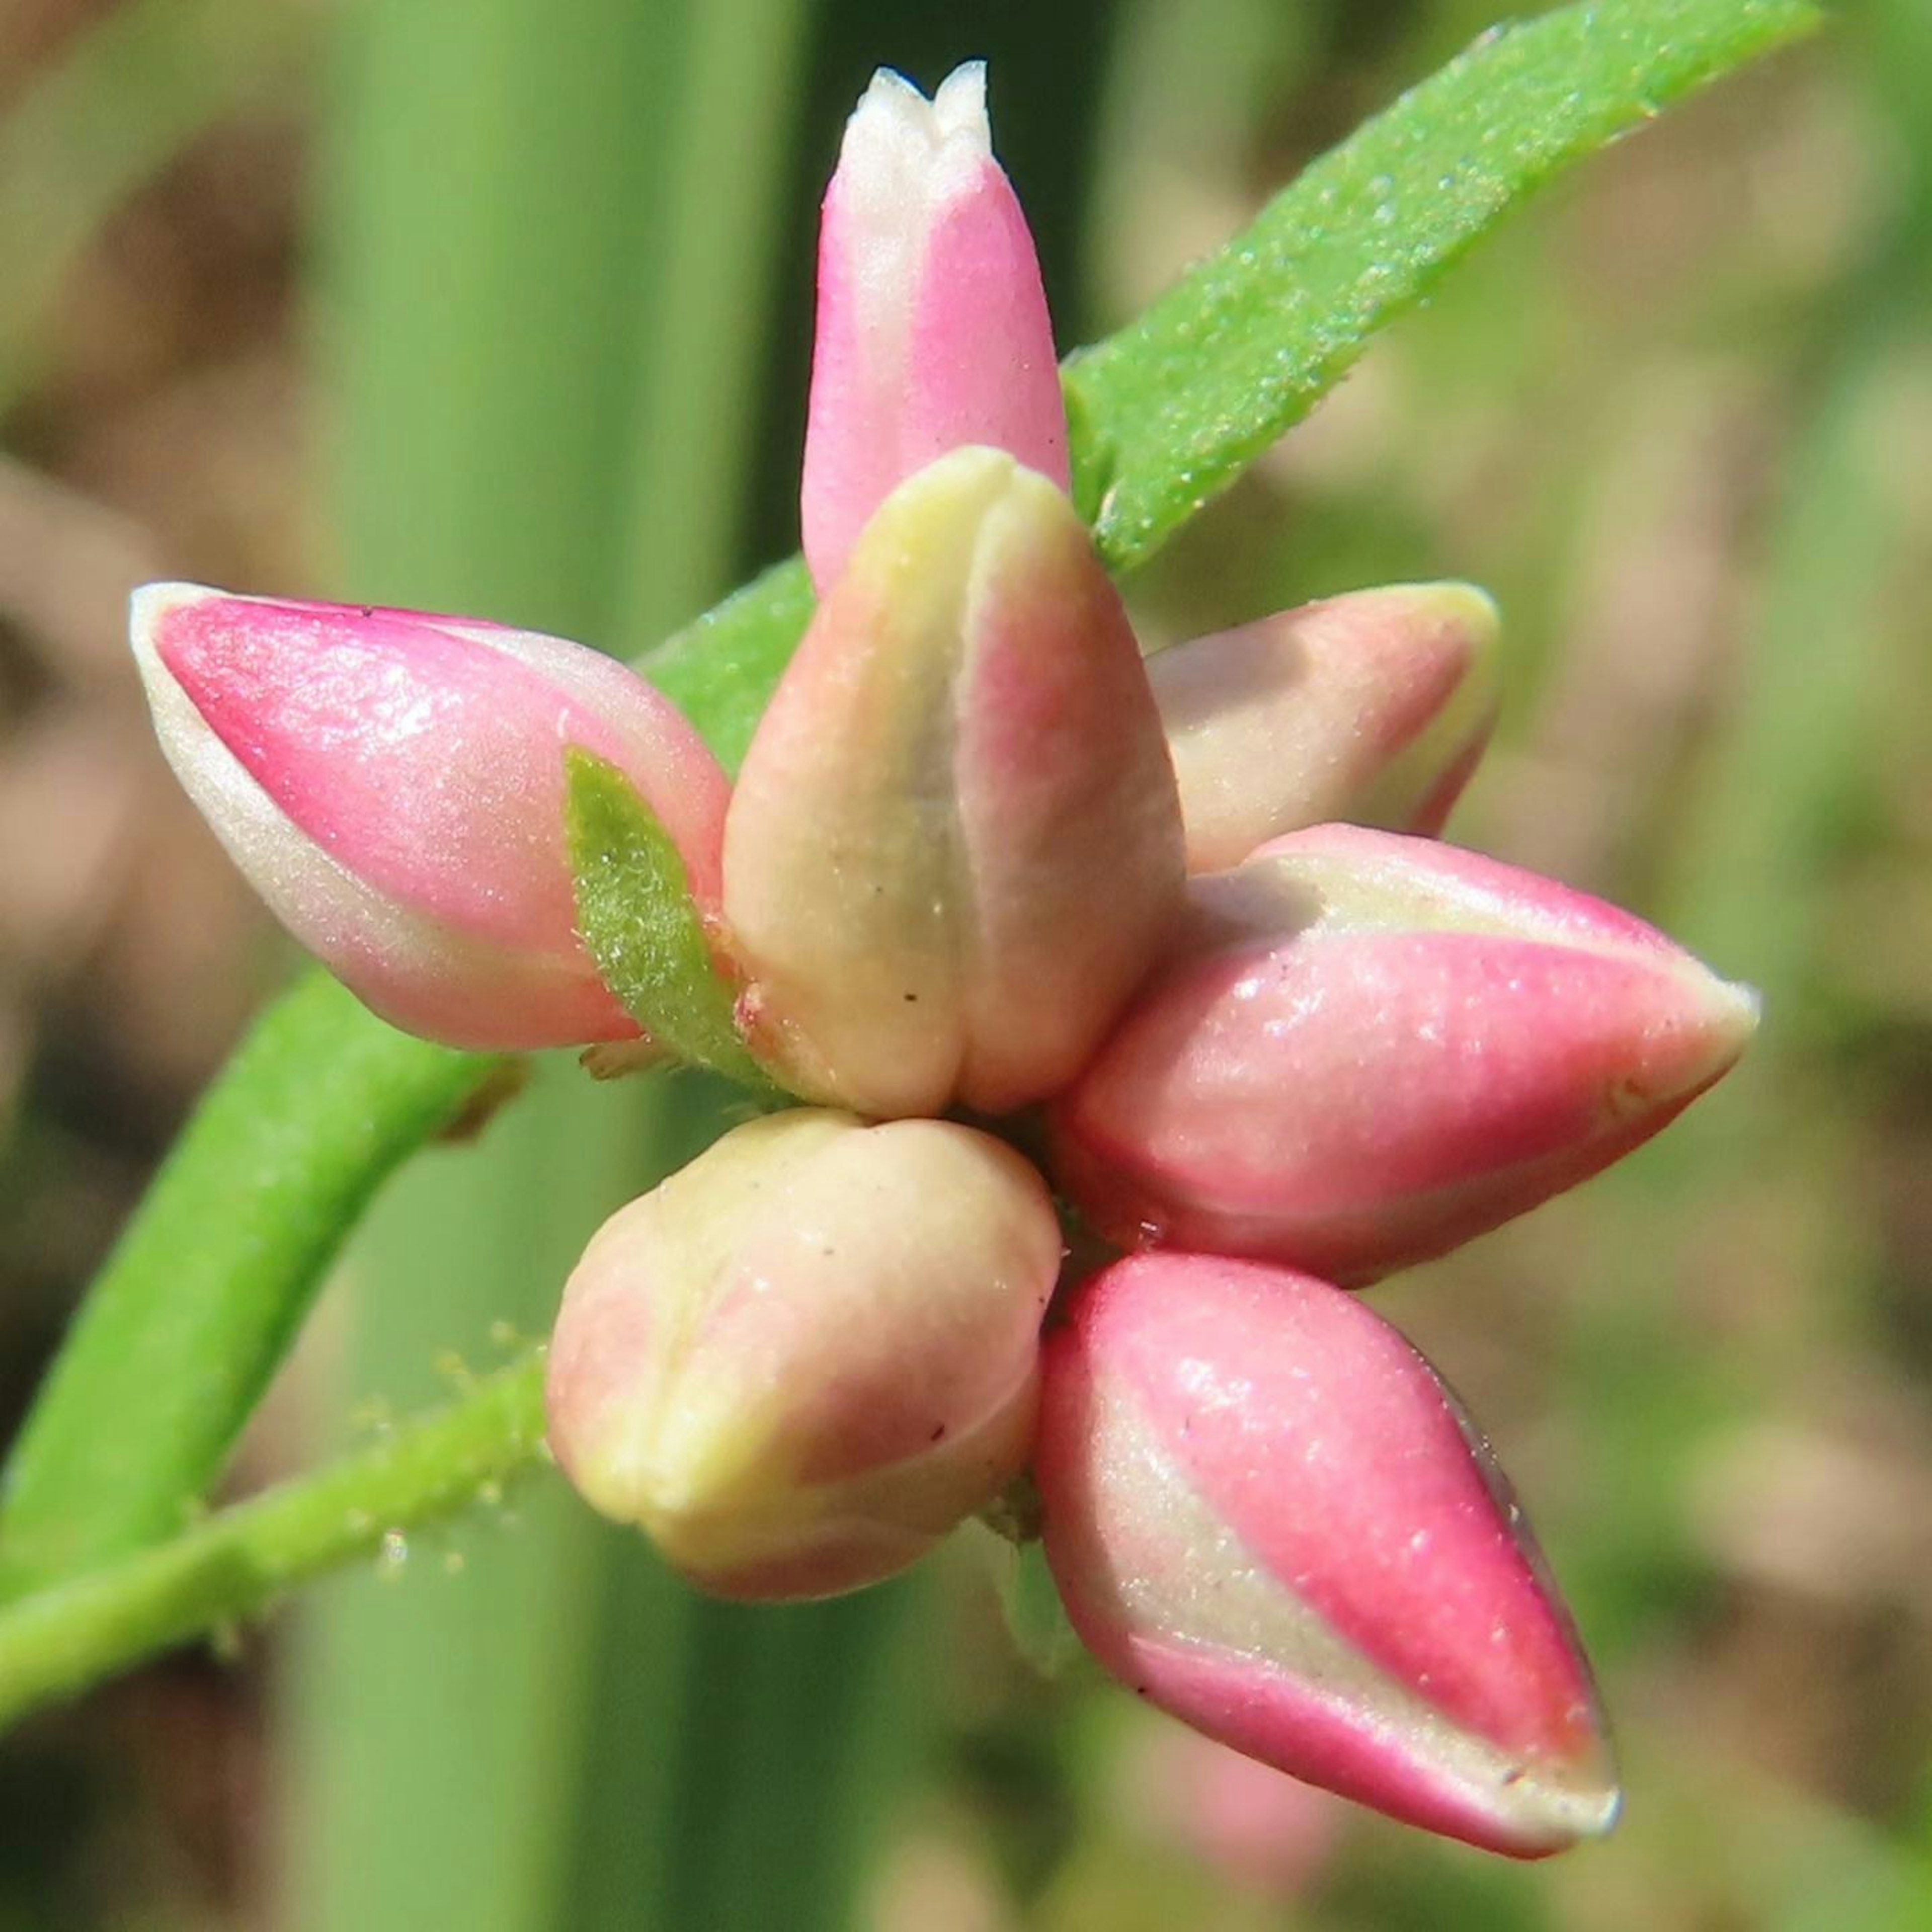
{"x":233,"y":1566}
{"x":173,"y":1347}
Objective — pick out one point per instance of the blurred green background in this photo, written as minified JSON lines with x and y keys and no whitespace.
{"x":503,"y":306}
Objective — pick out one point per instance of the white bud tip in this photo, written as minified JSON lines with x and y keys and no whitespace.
{"x":894,"y":125}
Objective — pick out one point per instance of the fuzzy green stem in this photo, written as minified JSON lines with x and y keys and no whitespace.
{"x":233,"y":1566}
{"x":198,"y":1303}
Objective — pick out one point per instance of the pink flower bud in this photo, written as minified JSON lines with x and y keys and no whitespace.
{"x":1370,"y":1048}
{"x":392,"y":784}
{"x":955,"y":846}
{"x":932,"y":324}
{"x":1373,"y":707}
{"x":801,"y":1361}
{"x":1267,"y":1515}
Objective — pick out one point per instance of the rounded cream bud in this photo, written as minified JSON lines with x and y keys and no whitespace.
{"x":800,"y":1361}
{"x":954,"y":848}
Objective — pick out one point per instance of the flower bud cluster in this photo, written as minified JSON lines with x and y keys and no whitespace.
{"x":1181,"y":921}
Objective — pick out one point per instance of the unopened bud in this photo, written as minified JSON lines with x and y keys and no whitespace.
{"x":392,"y":784}
{"x":802,"y":1360}
{"x":1267,"y":1515}
{"x":955,"y":847}
{"x":1372,"y":707}
{"x":932,"y":324}
{"x":1370,"y":1048}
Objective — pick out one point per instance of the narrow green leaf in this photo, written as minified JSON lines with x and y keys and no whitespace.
{"x":1035,"y":1619}
{"x":637,"y":915}
{"x":723,"y":668}
{"x":587,"y":208}
{"x":1179,"y":403}
{"x":805,"y":1727}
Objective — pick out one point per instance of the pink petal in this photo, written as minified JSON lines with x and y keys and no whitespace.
{"x":1265,"y":1513}
{"x":932,"y":329}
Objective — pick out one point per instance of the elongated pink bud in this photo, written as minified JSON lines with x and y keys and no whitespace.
{"x":1371,"y":1047}
{"x":1372,"y":707}
{"x":932,"y":324}
{"x":955,"y":847}
{"x":1266,"y":1514}
{"x":392,"y":784}
{"x":803,"y":1360}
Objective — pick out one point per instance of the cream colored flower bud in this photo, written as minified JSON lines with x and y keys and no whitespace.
{"x":956,"y":845}
{"x":801,"y":1361}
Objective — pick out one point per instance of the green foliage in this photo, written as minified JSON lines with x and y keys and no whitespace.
{"x":195,"y":1309}
{"x":637,"y":915}
{"x":1172,"y":408}
{"x":723,"y":668}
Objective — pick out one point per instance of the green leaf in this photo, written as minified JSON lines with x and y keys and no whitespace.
{"x":1173,"y":408}
{"x":1035,"y":1619}
{"x":589,"y":189}
{"x":637,"y":915}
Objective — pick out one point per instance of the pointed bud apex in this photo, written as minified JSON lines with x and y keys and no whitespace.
{"x":392,"y":785}
{"x":932,"y":324}
{"x":1372,"y":707}
{"x":801,"y":1361}
{"x":1266,"y":1514}
{"x":1370,"y":1048}
{"x":955,"y":846}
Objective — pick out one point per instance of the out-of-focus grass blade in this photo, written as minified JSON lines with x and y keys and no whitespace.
{"x":805,"y":1725}
{"x":697,"y":407}
{"x":439,"y":1707}
{"x":1184,"y":88}
{"x":504,"y":175}
{"x":128,"y":96}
